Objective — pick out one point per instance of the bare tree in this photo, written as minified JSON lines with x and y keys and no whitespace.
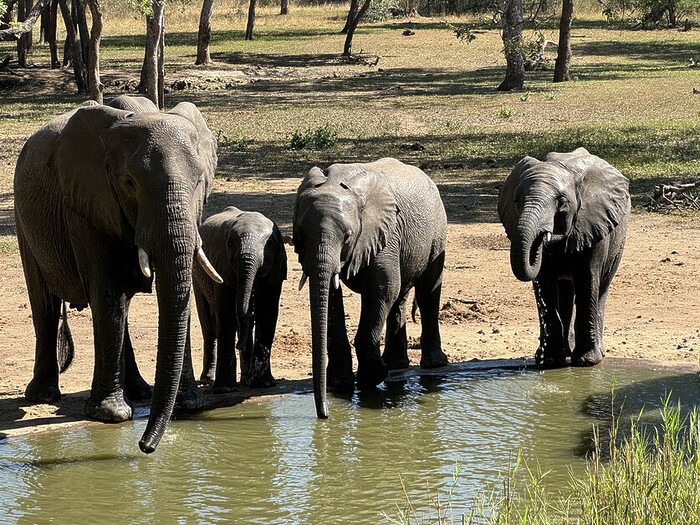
{"x":93,"y":65}
{"x":352,"y":13}
{"x":512,"y":16}
{"x":153,"y":67}
{"x":251,"y":21}
{"x":347,"y":50}
{"x":24,"y":44}
{"x":76,"y":54}
{"x":561,"y":67}
{"x":13,"y":33}
{"x":51,"y":34}
{"x":284,"y":7}
{"x":204,"y":33}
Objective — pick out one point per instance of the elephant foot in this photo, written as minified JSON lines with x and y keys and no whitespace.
{"x":549,"y":363}
{"x":396,"y":360}
{"x":371,"y":372}
{"x":137,"y":389}
{"x":42,"y":391}
{"x":111,"y":409}
{"x":225,"y":385}
{"x":208,"y":377}
{"x":264,"y":380}
{"x":433,"y":358}
{"x":340,"y":381}
{"x":189,"y":398}
{"x":590,"y":358}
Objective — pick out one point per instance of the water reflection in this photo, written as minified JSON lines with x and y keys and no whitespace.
{"x":274,"y":462}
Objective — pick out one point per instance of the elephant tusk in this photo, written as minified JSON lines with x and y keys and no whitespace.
{"x":302,"y":281}
{"x":548,"y":237}
{"x":208,"y":268}
{"x":144,"y":263}
{"x":336,"y":281}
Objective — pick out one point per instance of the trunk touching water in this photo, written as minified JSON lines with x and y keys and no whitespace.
{"x":173,"y":269}
{"x":318,"y":295}
{"x":526,"y":247}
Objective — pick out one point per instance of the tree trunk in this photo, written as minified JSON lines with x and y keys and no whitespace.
{"x":78,"y":13}
{"x":347,"y":50}
{"x":51,"y":34}
{"x":93,"y":70}
{"x":352,"y":13}
{"x":512,"y":15}
{"x":561,"y":68}
{"x":204,"y":34}
{"x":251,"y":21}
{"x":151,"y":63}
{"x":284,"y":7}
{"x":76,"y":55}
{"x":24,"y":44}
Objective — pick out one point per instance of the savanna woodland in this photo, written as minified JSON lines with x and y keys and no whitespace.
{"x":463,"y":89}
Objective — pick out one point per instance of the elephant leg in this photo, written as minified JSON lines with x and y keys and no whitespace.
{"x":566,"y":313}
{"x":371,"y":369}
{"x":589,"y":349}
{"x":339,"y":371}
{"x":46,"y":311}
{"x":226,"y":342}
{"x":208,"y":324}
{"x":396,"y":341}
{"x":255,"y":365}
{"x":135,"y":386}
{"x":189,"y":398}
{"x":551,"y":352}
{"x":109,"y":312}
{"x":428,"y":290}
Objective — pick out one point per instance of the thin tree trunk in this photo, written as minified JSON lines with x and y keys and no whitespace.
{"x":80,"y":20}
{"x":352,"y":13}
{"x":151,"y":64}
{"x":51,"y":34}
{"x":161,"y":61}
{"x":43,"y":25}
{"x":24,"y":44}
{"x":76,"y":53}
{"x":251,"y":21}
{"x":561,"y":67}
{"x":93,"y":69}
{"x":347,"y":50}
{"x":284,"y":7}
{"x":204,"y":34}
{"x":512,"y":15}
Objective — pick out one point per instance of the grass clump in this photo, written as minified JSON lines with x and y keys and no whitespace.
{"x":650,"y":476}
{"x":233,"y":143}
{"x":321,"y":137}
{"x":506,"y":111}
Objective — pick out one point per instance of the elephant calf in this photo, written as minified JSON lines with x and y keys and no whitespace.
{"x":566,"y":219}
{"x":380,"y":228}
{"x":246,"y":249}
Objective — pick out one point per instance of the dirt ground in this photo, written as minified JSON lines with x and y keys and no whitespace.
{"x":486,"y":314}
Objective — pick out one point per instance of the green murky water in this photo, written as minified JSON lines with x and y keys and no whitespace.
{"x":274,"y":462}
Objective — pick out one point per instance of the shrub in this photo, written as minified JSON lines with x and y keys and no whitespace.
{"x":315,"y":138}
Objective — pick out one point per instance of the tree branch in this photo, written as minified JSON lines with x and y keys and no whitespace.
{"x":25,"y":27}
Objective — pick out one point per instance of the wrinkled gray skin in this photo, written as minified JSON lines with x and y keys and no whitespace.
{"x":381,"y":227}
{"x":93,"y":186}
{"x":582,"y":204}
{"x":246,"y":249}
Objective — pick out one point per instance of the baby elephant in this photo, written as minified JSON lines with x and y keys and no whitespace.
{"x":247,"y":250}
{"x":566,"y":219}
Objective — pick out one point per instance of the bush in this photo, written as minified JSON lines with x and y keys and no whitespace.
{"x":315,"y":138}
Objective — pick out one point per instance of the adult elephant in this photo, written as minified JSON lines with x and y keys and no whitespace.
{"x":247,"y":250}
{"x":380,"y":228}
{"x":566,"y":219}
{"x":103,"y":197}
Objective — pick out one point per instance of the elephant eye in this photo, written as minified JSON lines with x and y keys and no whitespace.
{"x":348,"y":236}
{"x":129,"y":183}
{"x":563,"y":203}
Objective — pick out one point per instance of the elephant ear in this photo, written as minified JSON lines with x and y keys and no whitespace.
{"x":378,"y":215}
{"x":315,"y":178}
{"x":207,"y":145}
{"x":604,"y":201}
{"x":81,"y":164}
{"x":507,"y":211}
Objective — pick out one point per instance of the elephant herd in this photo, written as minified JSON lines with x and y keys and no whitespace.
{"x":109,"y":199}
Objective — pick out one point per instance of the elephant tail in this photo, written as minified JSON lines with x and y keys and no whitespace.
{"x":414,"y":309}
{"x":65,"y":343}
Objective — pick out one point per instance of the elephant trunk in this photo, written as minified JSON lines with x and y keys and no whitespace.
{"x":173,"y":257}
{"x":320,"y":277}
{"x":528,"y":241}
{"x":248,"y":267}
